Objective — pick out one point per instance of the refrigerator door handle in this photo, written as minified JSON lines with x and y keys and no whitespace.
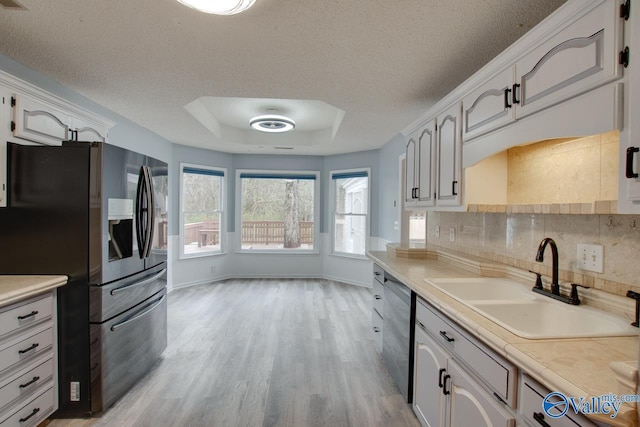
{"x":139,"y":212}
{"x":150,"y":212}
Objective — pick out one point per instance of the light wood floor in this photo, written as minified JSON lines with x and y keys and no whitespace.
{"x":264,"y":353}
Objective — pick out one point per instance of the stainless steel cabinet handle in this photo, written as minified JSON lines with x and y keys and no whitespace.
{"x":142,"y":283}
{"x":133,"y":319}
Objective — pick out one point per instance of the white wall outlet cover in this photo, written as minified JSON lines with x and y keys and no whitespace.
{"x":452,"y":234}
{"x":438,"y":232}
{"x":590,"y":257}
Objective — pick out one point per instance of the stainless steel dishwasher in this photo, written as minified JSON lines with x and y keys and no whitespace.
{"x":397,"y":339}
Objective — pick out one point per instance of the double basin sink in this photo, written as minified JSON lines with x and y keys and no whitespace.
{"x":515,"y":307}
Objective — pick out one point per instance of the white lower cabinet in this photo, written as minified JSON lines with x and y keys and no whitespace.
{"x":531,"y":413}
{"x":28,"y":390}
{"x":446,"y":393}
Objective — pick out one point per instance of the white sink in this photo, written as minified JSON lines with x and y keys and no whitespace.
{"x":483,"y":288}
{"x":526,"y":314}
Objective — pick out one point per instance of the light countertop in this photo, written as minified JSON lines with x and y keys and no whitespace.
{"x":575,"y":367}
{"x":16,"y":288}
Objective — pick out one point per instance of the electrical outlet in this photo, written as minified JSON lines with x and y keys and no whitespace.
{"x":213,"y":269}
{"x":437,"y":232}
{"x":590,"y":257}
{"x":452,"y":234}
{"x":396,"y":226}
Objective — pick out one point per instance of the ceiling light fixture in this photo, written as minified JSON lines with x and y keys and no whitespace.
{"x":219,"y":7}
{"x":272,"y":123}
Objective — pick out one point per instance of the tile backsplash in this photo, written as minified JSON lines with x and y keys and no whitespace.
{"x":513,"y":239}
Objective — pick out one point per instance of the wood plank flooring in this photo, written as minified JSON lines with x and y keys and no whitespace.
{"x":264,"y":353}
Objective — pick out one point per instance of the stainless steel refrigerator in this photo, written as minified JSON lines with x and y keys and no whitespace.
{"x":98,"y":214}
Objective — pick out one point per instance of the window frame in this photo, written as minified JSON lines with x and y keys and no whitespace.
{"x":276,"y":173}
{"x":221,"y":210}
{"x":332,"y":210}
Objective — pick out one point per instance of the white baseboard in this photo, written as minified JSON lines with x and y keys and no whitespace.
{"x":267,"y":276}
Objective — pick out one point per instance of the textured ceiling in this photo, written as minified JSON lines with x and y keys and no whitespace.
{"x":383,"y":63}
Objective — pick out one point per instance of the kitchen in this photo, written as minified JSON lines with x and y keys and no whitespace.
{"x":485,"y":230}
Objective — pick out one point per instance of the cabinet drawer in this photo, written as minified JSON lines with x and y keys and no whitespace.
{"x":33,"y":412}
{"x":21,"y":315}
{"x":531,"y":396}
{"x":376,"y":326}
{"x":378,"y":274}
{"x":496,"y":372}
{"x":26,"y":383}
{"x":27,"y":348}
{"x":377,"y":296}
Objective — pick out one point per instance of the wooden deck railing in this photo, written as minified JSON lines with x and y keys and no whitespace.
{"x":253,"y":232}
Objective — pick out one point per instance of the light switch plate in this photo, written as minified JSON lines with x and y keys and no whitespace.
{"x":590,"y":257}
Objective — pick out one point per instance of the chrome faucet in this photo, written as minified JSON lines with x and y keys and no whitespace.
{"x":555,"y":286}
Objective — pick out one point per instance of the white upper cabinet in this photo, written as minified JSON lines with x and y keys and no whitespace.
{"x":489,"y":106}
{"x":449,"y":157}
{"x":83,"y":130}
{"x":36,"y":121}
{"x":420,"y":171}
{"x":411,"y":166}
{"x":582,"y":56}
{"x":573,"y":57}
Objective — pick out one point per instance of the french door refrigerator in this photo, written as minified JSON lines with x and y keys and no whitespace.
{"x":98,"y":214}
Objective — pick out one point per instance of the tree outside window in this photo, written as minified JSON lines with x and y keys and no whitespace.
{"x":277,"y":211}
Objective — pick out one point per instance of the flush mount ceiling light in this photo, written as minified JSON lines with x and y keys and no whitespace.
{"x":219,"y":7}
{"x":272,"y":123}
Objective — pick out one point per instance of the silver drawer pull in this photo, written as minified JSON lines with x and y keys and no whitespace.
{"x":144,"y":313}
{"x":142,"y":283}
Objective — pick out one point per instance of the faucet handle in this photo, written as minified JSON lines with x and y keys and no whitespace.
{"x":573,"y":297}
{"x":538,"y":279}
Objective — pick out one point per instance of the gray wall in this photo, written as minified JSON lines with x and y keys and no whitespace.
{"x":388,"y":193}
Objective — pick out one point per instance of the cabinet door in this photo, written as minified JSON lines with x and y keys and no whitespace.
{"x":84,"y":131}
{"x":425,"y":171}
{"x":410,"y":171}
{"x":5,"y":134}
{"x":490,"y":106}
{"x":449,"y":160}
{"x":429,"y":368}
{"x":39,"y":122}
{"x":580,"y":57}
{"x":470,"y":405}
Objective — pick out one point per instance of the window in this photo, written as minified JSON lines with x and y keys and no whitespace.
{"x":201,"y":202}
{"x":350,"y":211}
{"x":277,"y":211}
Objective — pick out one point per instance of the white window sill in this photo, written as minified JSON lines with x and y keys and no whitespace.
{"x":277,"y":252}
{"x":202,"y":255}
{"x":350,"y":256}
